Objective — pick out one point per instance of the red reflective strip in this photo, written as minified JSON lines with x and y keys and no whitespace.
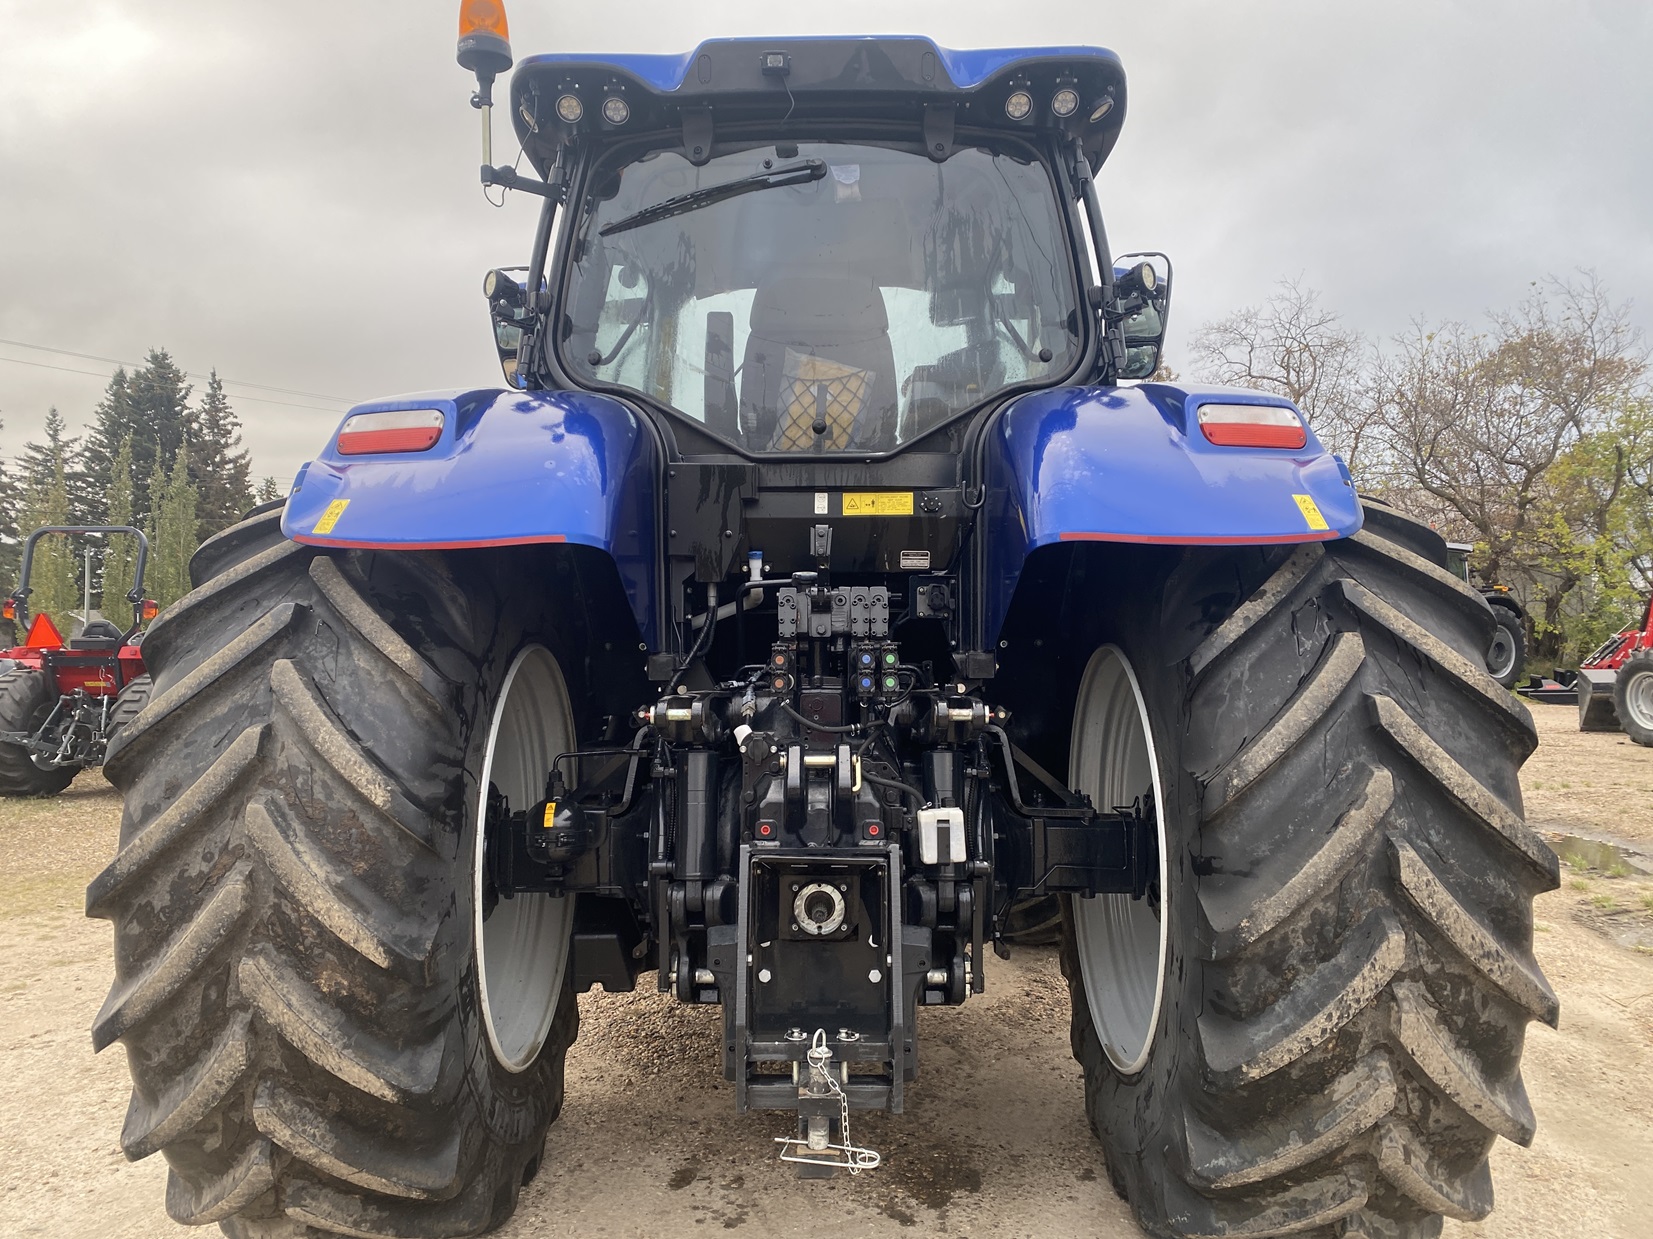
{"x":1253,"y":434}
{"x":472,"y":544}
{"x":1266,"y":539}
{"x":403,"y":439}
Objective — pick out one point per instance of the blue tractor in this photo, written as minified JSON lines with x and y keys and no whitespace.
{"x":829,"y":577}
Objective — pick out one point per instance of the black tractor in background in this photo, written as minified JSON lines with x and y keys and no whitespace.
{"x":1508,"y":649}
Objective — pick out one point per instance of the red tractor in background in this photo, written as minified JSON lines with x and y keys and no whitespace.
{"x":61,"y":702}
{"x":1613,"y":686}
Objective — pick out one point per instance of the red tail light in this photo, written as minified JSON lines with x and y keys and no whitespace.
{"x":408,"y":430}
{"x":148,"y":609}
{"x":1252,"y":425}
{"x":8,"y":609}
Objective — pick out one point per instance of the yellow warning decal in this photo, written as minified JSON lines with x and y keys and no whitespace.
{"x":330,"y":517}
{"x":878,"y":503}
{"x":1311,"y":512}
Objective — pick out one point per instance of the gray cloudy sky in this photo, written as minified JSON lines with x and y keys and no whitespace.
{"x":286,"y":190}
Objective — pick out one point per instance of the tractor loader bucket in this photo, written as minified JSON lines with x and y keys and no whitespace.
{"x":1595,"y":701}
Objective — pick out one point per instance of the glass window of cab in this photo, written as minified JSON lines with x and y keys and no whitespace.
{"x":876,"y":297}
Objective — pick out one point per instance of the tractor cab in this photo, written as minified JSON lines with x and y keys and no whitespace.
{"x":823,"y":246}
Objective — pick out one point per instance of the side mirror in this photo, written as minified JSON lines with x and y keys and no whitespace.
{"x":508,"y":307}
{"x":1142,"y":310}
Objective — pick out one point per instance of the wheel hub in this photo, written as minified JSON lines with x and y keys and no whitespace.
{"x":521,"y":940}
{"x":1121,"y":941}
{"x":1501,"y":653}
{"x":1638,"y":699}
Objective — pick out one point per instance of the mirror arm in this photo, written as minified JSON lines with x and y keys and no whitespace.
{"x":1111,"y":356}
{"x":507,"y":178}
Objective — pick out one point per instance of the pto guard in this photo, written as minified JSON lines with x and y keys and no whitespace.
{"x":1130,"y":464}
{"x":510,"y":468}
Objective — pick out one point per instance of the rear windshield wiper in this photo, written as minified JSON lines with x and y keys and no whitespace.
{"x":792,"y":174}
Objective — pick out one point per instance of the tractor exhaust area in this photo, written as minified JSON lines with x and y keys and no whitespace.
{"x":994,"y":1133}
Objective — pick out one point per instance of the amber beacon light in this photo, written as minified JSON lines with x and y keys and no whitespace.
{"x":484,"y":38}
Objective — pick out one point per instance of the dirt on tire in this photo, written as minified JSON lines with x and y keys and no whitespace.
{"x":1350,"y":972}
{"x":292,"y":902}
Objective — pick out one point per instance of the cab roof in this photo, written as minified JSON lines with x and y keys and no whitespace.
{"x":794,"y":80}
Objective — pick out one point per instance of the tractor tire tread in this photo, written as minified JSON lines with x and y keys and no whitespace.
{"x":1365,"y":941}
{"x":284,"y":900}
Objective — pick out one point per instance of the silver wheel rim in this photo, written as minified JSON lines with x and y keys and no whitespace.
{"x":1638,"y":699}
{"x":1121,"y":941}
{"x":1501,"y":653}
{"x":522,"y":945}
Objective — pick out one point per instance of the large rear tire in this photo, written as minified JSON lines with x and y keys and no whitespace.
{"x":1633,"y":697}
{"x":1507,"y":650}
{"x":26,"y":699}
{"x":300,"y":975}
{"x":1317,"y":1027}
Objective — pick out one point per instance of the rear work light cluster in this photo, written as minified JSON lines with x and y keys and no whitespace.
{"x":406,"y":430}
{"x":1252,"y":425}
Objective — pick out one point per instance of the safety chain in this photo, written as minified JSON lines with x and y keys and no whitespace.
{"x":853,"y":1158}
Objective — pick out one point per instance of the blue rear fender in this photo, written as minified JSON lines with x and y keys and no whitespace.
{"x":511,"y":468}
{"x":1130,"y":464}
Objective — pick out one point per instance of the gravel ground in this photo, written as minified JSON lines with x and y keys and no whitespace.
{"x":994,"y":1141}
{"x":1594,"y":782}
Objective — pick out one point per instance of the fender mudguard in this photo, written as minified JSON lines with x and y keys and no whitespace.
{"x":510,"y":468}
{"x":1130,"y":464}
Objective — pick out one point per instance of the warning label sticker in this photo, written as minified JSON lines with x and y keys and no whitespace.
{"x":330,"y":517}
{"x":1311,"y":512}
{"x":878,"y":503}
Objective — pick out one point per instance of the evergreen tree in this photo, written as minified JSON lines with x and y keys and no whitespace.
{"x":151,"y":405}
{"x":268,"y":491}
{"x":53,"y":588}
{"x":40,"y":462}
{"x":175,"y":532}
{"x":9,"y":500}
{"x":120,"y":559}
{"x":152,"y":574}
{"x":217,"y":465}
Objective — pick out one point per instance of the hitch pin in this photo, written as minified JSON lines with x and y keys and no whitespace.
{"x":816,"y":1149}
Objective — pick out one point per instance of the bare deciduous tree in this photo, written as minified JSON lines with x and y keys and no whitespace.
{"x":1295,"y":346}
{"x":1497,"y":437}
{"x":1531,"y":438}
